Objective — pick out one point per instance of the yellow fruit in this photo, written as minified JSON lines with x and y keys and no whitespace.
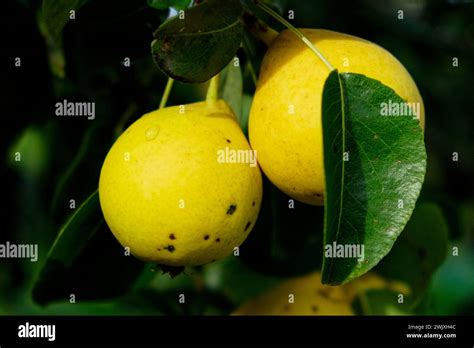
{"x":285,"y":117}
{"x":171,"y":191}
{"x":310,"y":297}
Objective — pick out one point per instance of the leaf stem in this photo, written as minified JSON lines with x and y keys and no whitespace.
{"x":166,"y":93}
{"x":213,"y":90}
{"x":295,"y":31}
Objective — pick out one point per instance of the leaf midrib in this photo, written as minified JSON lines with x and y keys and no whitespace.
{"x":343,"y":169}
{"x":68,"y":222}
{"x":233,"y":24}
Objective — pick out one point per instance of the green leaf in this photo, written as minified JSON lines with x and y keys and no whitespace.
{"x":85,"y":260}
{"x":374,"y":169}
{"x":230,"y":88}
{"x":239,"y":283}
{"x":381,"y":302}
{"x":197,"y":47}
{"x":164,"y":4}
{"x":66,"y":177}
{"x":162,"y":289}
{"x":32,"y":147}
{"x":419,"y":251}
{"x":244,"y":118}
{"x":451,"y":291}
{"x":56,"y":14}
{"x":83,"y":166}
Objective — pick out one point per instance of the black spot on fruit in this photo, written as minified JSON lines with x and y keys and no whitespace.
{"x":228,"y":140}
{"x":218,"y":240}
{"x":170,"y":248}
{"x":232,"y":208}
{"x":314,"y":308}
{"x":253,"y":204}
{"x":247,"y":226}
{"x":206,"y":237}
{"x":172,"y":236}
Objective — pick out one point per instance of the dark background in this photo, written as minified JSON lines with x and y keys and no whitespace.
{"x":62,"y":156}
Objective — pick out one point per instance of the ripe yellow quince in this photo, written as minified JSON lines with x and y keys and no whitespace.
{"x":169,"y":193}
{"x":305,"y":295}
{"x":285,"y":118}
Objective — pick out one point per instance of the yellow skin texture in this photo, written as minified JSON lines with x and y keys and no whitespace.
{"x":172,"y":192}
{"x":289,"y":145}
{"x":313,"y":298}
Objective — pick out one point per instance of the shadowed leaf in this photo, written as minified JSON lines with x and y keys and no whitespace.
{"x":199,"y":45}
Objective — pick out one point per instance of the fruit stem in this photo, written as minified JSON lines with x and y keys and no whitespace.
{"x":295,"y":31}
{"x":166,"y":93}
{"x":213,"y":90}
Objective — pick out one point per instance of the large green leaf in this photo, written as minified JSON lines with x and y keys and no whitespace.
{"x":198,"y":46}
{"x":374,"y":169}
{"x":56,"y":14}
{"x":420,"y":250}
{"x":85,"y":260}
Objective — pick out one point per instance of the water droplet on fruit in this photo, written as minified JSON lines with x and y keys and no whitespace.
{"x":151,"y":133}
